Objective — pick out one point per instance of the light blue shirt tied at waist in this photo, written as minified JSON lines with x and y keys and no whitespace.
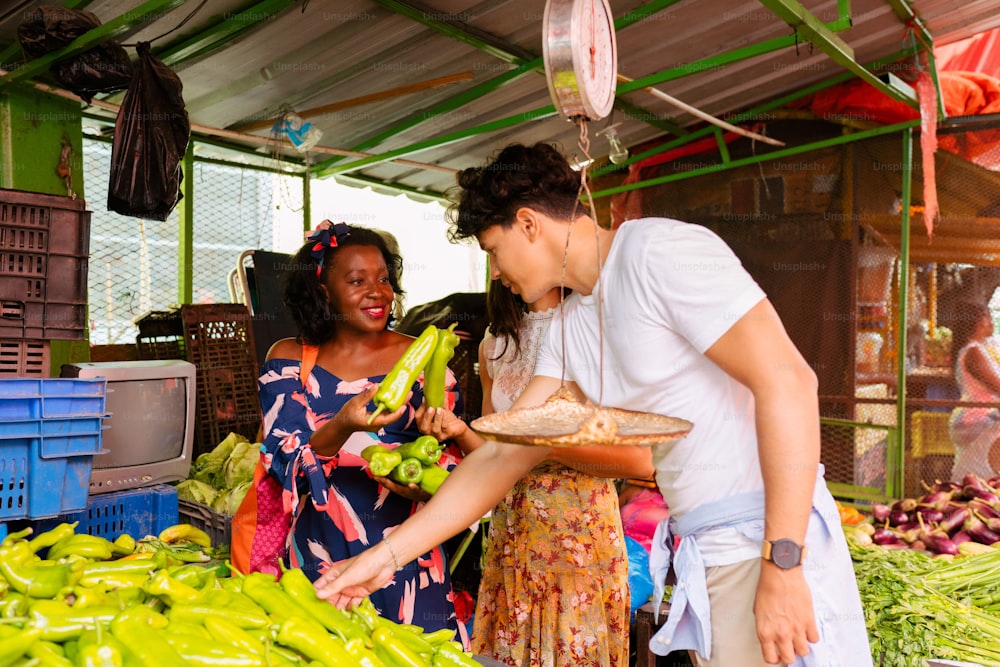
{"x":689,"y":624}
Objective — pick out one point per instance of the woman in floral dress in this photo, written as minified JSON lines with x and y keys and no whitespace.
{"x":340,"y":293}
{"x":554,"y":589}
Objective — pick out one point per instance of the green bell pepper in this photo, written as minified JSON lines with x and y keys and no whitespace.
{"x":396,"y":385}
{"x":381,"y":460}
{"x":425,"y":449}
{"x":432,"y":479}
{"x":409,"y":471}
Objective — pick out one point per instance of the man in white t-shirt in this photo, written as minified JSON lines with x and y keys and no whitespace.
{"x":763,"y":571}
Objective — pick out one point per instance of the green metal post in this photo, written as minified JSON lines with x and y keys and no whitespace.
{"x":185,"y":230}
{"x":895,"y":478}
{"x":306,"y":202}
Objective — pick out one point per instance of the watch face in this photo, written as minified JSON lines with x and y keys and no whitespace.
{"x":785,"y":553}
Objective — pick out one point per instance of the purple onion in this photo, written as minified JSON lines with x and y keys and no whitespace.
{"x":954,"y":520}
{"x":898,"y":518}
{"x":961,"y":536}
{"x":904,"y":505}
{"x":884,"y":536}
{"x":975,"y":492}
{"x":983,"y":509}
{"x":993,"y":523}
{"x":931,"y":514}
{"x":939,"y":543}
{"x":979,"y":531}
{"x":918,"y":545}
{"x":880,"y":512}
{"x":938,"y":500}
{"x":952,"y":487}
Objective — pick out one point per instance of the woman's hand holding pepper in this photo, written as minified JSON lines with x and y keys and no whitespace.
{"x":358,"y":576}
{"x":444,"y":424}
{"x":410,"y":491}
{"x":352,"y":417}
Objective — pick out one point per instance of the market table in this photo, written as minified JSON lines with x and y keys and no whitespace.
{"x":645,"y":628}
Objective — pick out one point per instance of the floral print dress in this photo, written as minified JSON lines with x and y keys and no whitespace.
{"x":337,"y":510}
{"x":554,"y":589}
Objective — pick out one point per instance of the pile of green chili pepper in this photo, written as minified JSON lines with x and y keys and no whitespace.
{"x":73,"y":600}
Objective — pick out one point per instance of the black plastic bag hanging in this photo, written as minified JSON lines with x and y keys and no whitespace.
{"x":151,"y":135}
{"x":104,"y":68}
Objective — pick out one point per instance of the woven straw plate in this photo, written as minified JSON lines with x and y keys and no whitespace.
{"x":563,"y":421}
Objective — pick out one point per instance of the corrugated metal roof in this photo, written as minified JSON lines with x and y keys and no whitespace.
{"x":241,"y":61}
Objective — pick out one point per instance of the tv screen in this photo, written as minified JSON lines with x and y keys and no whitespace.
{"x":148,"y":433}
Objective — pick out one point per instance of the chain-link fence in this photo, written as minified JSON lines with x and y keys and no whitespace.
{"x":135,"y":263}
{"x":822,"y":233}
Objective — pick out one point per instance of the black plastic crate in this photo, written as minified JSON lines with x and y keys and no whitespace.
{"x":218,"y":526}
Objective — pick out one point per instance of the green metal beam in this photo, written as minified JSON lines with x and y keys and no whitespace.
{"x":843,"y":21}
{"x":144,"y":13}
{"x":458,"y":30}
{"x":905,"y":13}
{"x":14,"y":48}
{"x":443,"y":140}
{"x":394,"y":187}
{"x":221,"y":33}
{"x":474,"y":93}
{"x":185,"y":230}
{"x":754,"y":159}
{"x":750,"y":114}
{"x":812,"y":29}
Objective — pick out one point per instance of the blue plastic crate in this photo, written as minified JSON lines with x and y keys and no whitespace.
{"x":136,"y":512}
{"x":46,"y":475}
{"x":51,"y":398}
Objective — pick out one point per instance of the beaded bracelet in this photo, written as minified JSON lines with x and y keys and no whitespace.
{"x":392,"y":552}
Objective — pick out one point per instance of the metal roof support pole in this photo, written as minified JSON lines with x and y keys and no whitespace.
{"x":117,"y":26}
{"x":894,"y":475}
{"x":306,"y":201}
{"x":185,"y":230}
{"x":812,"y":29}
{"x":772,"y":155}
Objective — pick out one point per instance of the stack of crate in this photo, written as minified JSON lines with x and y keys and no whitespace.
{"x":44,"y":252}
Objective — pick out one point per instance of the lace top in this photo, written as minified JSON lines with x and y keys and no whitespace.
{"x":512,"y":371}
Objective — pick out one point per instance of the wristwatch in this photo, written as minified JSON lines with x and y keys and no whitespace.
{"x":784,"y":553}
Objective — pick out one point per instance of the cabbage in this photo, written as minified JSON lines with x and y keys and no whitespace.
{"x":227,"y":502}
{"x":196,"y":491}
{"x":240,"y":464}
{"x":209,"y":467}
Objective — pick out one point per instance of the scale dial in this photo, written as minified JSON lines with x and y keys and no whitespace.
{"x":581,"y":57}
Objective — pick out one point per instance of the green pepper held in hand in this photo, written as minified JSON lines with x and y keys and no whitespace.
{"x":295,"y":582}
{"x":425,"y":449}
{"x":381,"y":460}
{"x":396,"y":385}
{"x":432,"y":479}
{"x":435,"y":374}
{"x":408,"y":472}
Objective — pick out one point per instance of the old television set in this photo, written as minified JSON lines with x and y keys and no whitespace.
{"x":148,"y":433}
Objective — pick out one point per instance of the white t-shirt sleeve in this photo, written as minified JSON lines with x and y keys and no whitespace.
{"x":549,"y":360}
{"x":696,"y":285}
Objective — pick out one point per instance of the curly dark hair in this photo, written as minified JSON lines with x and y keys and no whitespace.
{"x":537,"y":176}
{"x":303,"y":294}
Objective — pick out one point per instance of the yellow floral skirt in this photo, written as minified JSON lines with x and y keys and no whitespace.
{"x":554,"y":589}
